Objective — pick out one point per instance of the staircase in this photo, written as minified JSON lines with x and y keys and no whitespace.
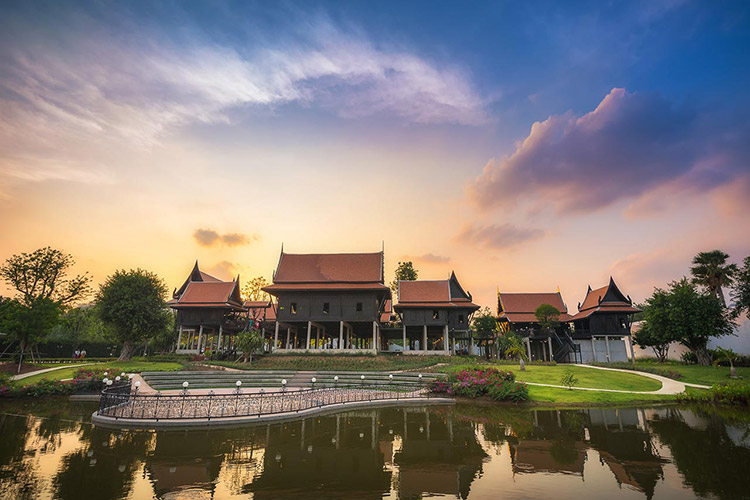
{"x":565,"y":351}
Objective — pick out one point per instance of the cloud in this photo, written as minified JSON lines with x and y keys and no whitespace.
{"x":224,"y":270}
{"x":429,"y":258}
{"x":209,"y":238}
{"x":500,"y":237}
{"x":629,"y":146}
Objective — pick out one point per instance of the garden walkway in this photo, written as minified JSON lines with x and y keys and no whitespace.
{"x":668,"y":385}
{"x":45,"y":370}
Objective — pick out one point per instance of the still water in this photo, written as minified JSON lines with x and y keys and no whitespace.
{"x":50,"y":450}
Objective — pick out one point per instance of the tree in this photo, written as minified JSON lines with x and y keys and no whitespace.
{"x":132,"y":304}
{"x":483,"y":321}
{"x":249,"y":342}
{"x":650,"y":337}
{"x":730,"y":357}
{"x":741,"y":290}
{"x":43,"y":291}
{"x":710,"y":269}
{"x":548,"y":317}
{"x":515,"y":349}
{"x":252,"y":289}
{"x":404,"y":272}
{"x":688,"y":316}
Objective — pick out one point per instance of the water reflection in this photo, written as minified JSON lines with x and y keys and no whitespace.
{"x":466,"y":451}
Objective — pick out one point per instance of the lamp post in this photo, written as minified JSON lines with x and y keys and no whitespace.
{"x":312,"y":381}
{"x":238,"y":386}
{"x":283,"y":385}
{"x":137,"y":386}
{"x":390,"y":382}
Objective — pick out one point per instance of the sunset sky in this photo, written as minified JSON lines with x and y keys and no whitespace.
{"x":525,"y":145}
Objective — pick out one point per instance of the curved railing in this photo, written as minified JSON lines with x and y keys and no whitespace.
{"x":121,"y":401}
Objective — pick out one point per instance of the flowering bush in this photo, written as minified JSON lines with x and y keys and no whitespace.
{"x":84,"y":380}
{"x":474,"y":382}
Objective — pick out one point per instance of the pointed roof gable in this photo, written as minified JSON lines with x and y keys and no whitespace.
{"x":433,"y":293}
{"x":195,"y":275}
{"x":203,"y":290}
{"x":520,"y":307}
{"x":608,"y":298}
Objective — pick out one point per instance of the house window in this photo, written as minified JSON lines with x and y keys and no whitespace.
{"x":326,"y":307}
{"x":293,"y":307}
{"x":435,"y":314}
{"x":461,"y":319}
{"x":359,"y":306}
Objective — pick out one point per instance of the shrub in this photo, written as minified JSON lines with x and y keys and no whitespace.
{"x":84,"y":380}
{"x":6,"y":383}
{"x":475,"y":382}
{"x":731,"y":394}
{"x":569,"y":379}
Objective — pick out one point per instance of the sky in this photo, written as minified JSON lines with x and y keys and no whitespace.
{"x":526,"y":145}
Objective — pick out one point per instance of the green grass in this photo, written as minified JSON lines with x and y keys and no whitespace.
{"x":547,"y":396}
{"x":587,"y":377}
{"x":697,"y":374}
{"x":115,"y":366}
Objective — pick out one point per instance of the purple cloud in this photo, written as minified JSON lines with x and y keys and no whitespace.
{"x":631,"y":144}
{"x":504,"y":236}
{"x":209,"y":238}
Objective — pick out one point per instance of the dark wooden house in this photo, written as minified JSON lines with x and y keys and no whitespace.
{"x":516,"y":312}
{"x":602,"y":325}
{"x":209,"y":313}
{"x":434,"y":314}
{"x":329,"y":301}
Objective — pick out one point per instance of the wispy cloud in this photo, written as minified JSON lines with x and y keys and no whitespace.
{"x":499,"y":237}
{"x":631,"y":145}
{"x":428,"y":258}
{"x":210,"y":237}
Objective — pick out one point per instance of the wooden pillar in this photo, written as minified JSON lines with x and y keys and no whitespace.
{"x":471,"y":343}
{"x":179,"y":339}
{"x":348,"y":343}
{"x":549,"y":343}
{"x":275,"y":336}
{"x":309,"y":328}
{"x":317,"y":337}
{"x":288,"y":337}
{"x":445,"y":338}
{"x":629,"y":342}
{"x":423,"y":344}
{"x":341,"y":335}
{"x":218,"y":344}
{"x":593,"y":348}
{"x":405,"y":346}
{"x":200,"y":338}
{"x":528,"y":347}
{"x":606,"y":342}
{"x":375,"y":335}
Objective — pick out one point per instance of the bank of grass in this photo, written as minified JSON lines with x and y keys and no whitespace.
{"x":321,"y":362}
{"x":697,"y":374}
{"x":115,"y":366}
{"x":551,"y":396}
{"x":587,"y":377}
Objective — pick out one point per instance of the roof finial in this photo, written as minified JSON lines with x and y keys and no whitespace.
{"x":282,"y":247}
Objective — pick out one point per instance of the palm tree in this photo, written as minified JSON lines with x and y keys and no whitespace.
{"x":516,"y":349}
{"x":729,"y":356}
{"x":711,"y":270}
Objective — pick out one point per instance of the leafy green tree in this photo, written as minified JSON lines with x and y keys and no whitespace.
{"x":710,"y":269}
{"x":741,"y":290}
{"x":404,"y":272}
{"x":548,"y":317}
{"x":253,"y":289}
{"x":513,"y":347}
{"x":655,"y":339}
{"x":132,"y":304}
{"x":688,"y":316}
{"x":43,"y":291}
{"x":569,"y":379}
{"x":249,"y":342}
{"x":483,"y":321}
{"x":80,"y":324}
{"x":730,"y":357}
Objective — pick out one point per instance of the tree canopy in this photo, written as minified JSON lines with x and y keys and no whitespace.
{"x":686,"y":315}
{"x":404,"y":272}
{"x":741,"y":290}
{"x":252,"y":289}
{"x":710,"y":269}
{"x":484,"y":321}
{"x":548,"y":317}
{"x":132,"y":304}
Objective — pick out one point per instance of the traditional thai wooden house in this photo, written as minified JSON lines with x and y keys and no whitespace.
{"x":329,"y":301}
{"x":434,"y":314}
{"x":602,"y":325}
{"x":516,"y":312}
{"x":209,"y":313}
{"x":262,"y":315}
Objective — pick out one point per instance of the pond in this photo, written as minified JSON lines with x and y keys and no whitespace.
{"x":50,"y":450}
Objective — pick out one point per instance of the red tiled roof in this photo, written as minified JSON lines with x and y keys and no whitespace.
{"x":424,"y":291}
{"x":207,"y":292}
{"x":402,"y":305}
{"x":528,"y":302}
{"x":257,"y":303}
{"x":593,"y":297}
{"x":606,"y":307}
{"x":529,"y":317}
{"x":208,"y":277}
{"x":330,"y":268}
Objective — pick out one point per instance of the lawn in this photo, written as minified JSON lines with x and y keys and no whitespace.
{"x":115,"y":366}
{"x":547,"y":396}
{"x":697,"y":374}
{"x":587,"y":377}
